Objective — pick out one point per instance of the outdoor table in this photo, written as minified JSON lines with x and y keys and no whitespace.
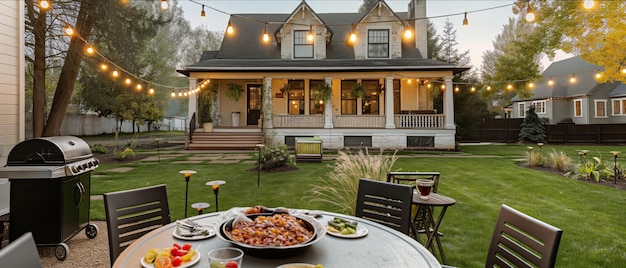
{"x":381,"y":247}
{"x":424,"y":218}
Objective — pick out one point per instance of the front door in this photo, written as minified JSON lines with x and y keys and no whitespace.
{"x":254,"y":104}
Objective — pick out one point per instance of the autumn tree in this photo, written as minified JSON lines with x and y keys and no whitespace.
{"x":597,"y":34}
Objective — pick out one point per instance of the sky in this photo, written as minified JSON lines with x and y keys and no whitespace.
{"x":477,"y":36}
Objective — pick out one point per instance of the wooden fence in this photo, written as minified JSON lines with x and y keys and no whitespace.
{"x":507,"y":130}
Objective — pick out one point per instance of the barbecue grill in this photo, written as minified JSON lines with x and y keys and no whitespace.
{"x":50,"y":187}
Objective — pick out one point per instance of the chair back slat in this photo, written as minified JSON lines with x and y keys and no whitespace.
{"x":132,"y":213}
{"x":386,"y":203}
{"x":522,"y":241}
{"x":410,"y":177}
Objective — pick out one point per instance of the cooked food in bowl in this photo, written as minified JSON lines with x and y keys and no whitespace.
{"x":277,"y":230}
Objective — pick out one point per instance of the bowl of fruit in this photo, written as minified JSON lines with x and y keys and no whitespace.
{"x":177,"y":255}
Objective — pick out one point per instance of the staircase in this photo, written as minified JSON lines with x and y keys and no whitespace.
{"x":225,"y":140}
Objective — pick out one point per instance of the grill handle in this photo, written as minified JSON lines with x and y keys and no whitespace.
{"x":78,"y":199}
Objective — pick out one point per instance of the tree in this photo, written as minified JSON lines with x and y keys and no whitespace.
{"x":449,"y":47}
{"x":532,"y":129}
{"x":433,"y":43}
{"x":367,"y":5}
{"x":598,"y":34}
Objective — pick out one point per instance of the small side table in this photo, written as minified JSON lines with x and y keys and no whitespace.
{"x":424,"y":219}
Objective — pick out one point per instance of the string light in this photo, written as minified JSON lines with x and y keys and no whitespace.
{"x":139,"y":87}
{"x":573,"y":79}
{"x":443,"y":86}
{"x":456,"y":89}
{"x":598,"y":75}
{"x":473,"y":89}
{"x":69,"y":31}
{"x":164,"y":5}
{"x":530,"y":13}
{"x":408,"y":33}
{"x":509,"y":87}
{"x":104,"y":66}
{"x":90,"y":50}
{"x":353,"y":34}
{"x":465,"y":21}
{"x":229,"y":28}
{"x":180,"y":93}
{"x":44,"y":4}
{"x":589,"y":4}
{"x":173,"y":94}
{"x":128,"y":81}
{"x":531,"y":85}
{"x":310,"y":34}
{"x":116,"y":74}
{"x":488,"y":88}
{"x":202,"y":13}
{"x":551,"y":81}
{"x":266,"y":36}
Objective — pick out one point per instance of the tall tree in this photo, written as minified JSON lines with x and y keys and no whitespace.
{"x":597,"y":34}
{"x":433,"y":43}
{"x":367,"y":5}
{"x":450,"y":47}
{"x":532,"y":129}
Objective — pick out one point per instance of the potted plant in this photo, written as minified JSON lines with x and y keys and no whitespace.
{"x":234,"y":91}
{"x":322,"y":92}
{"x":357,"y":91}
{"x":205,"y":104}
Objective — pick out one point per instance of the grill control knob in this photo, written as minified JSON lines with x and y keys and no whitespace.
{"x":74,"y":169}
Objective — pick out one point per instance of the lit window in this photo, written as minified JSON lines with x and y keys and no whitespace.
{"x":521,"y":110}
{"x":540,"y":106}
{"x":600,"y":108}
{"x":295,"y":97}
{"x":371,"y":99}
{"x":619,"y":106}
{"x":315,"y":106}
{"x":302,"y":47}
{"x":578,"y":108}
{"x":348,"y":102}
{"x":378,"y":44}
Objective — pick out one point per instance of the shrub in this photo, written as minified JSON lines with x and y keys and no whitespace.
{"x":621,"y":171}
{"x":559,"y":160}
{"x":275,"y":156}
{"x":535,"y":159}
{"x":341,"y":187}
{"x":99,"y":149}
{"x":589,"y":169}
{"x":126,"y":153}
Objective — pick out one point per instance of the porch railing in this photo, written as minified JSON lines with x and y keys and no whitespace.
{"x":359,"y":121}
{"x":419,"y":120}
{"x":298,"y":120}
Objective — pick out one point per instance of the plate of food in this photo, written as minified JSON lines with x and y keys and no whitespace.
{"x":274,"y":235}
{"x":345,"y":228}
{"x":179,"y":256}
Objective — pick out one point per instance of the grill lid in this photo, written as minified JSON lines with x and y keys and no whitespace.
{"x":49,"y":151}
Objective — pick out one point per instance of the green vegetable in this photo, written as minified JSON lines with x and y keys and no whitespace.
{"x":335,"y":225}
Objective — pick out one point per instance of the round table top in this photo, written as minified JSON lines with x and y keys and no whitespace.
{"x":433,"y":200}
{"x":381,"y":247}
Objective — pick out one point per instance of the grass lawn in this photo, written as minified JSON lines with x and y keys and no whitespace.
{"x":480,"y":179}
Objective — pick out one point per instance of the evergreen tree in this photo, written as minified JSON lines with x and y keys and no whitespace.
{"x":532,"y":128}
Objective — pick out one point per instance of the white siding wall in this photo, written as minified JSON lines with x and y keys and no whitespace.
{"x":395,"y":33}
{"x":300,"y":21}
{"x":11,"y":86}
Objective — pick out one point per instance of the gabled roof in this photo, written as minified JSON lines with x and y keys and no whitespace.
{"x":376,"y":6}
{"x":304,"y":6}
{"x":561,"y":72}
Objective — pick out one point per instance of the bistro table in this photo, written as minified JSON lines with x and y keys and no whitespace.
{"x":425,"y":221}
{"x":381,"y":247}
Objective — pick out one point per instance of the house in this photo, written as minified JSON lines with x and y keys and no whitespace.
{"x":11,"y":88}
{"x":569,"y":93}
{"x":280,"y":79}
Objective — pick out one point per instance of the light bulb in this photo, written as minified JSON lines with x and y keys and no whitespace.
{"x":180,"y":94}
{"x":589,"y":4}
{"x":229,"y":28}
{"x":531,"y":85}
{"x":488,"y":88}
{"x":473,"y":89}
{"x":266,"y":36}
{"x":139,"y":86}
{"x":202,"y":13}
{"x":443,"y":86}
{"x":551,"y":81}
{"x":310,"y":35}
{"x":572,"y":79}
{"x":173,"y":93}
{"x":128,"y":81}
{"x":353,"y":37}
{"x":44,"y":4}
{"x":116,"y":73}
{"x":530,"y":17}
{"x":69,"y":31}
{"x":151,"y":91}
{"x":104,"y":67}
{"x":509,"y":87}
{"x":598,"y":75}
{"x":456,"y":89}
{"x":164,"y":5}
{"x":90,"y":50}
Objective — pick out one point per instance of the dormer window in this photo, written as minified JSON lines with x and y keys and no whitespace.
{"x":378,"y":44}
{"x":302,"y":47}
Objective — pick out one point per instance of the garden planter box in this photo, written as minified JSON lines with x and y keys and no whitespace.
{"x":309,"y":149}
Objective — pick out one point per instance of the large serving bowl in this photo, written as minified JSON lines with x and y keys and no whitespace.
{"x":223,"y":232}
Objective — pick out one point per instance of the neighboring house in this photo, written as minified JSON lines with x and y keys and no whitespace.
{"x":11,"y":86}
{"x":575,"y":96}
{"x":396,"y":110}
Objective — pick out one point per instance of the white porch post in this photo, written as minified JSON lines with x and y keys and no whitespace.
{"x":193,"y":100}
{"x":448,"y":104}
{"x":266,"y":106}
{"x":389,"y":122}
{"x":328,"y":105}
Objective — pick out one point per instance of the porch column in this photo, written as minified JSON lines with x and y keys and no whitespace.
{"x":389,"y":122}
{"x":448,"y":104}
{"x":328,"y":105}
{"x":193,"y":100}
{"x":266,"y":107}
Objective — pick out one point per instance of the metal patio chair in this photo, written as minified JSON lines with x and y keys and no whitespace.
{"x":385,"y":203}
{"x":133,"y":213}
{"x":22,"y":252}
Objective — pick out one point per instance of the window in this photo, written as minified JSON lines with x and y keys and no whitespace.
{"x":578,"y":108}
{"x":295,"y":97}
{"x":371,"y":100}
{"x":521,"y":110}
{"x":348,"y":103}
{"x":378,"y":44}
{"x":302,"y":47}
{"x":396,"y":96}
{"x":600,"y":108}
{"x":540,"y":106}
{"x":315,"y":106}
{"x":619,"y":106}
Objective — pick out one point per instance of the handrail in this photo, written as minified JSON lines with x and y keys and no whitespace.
{"x":192,"y":126}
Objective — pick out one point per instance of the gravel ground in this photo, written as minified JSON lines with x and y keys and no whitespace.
{"x":84,"y":252}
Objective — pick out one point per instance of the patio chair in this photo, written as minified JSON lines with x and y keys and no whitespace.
{"x":404,"y":177}
{"x":133,"y":213}
{"x":522,"y":241}
{"x":385,"y":203}
{"x":21,"y":253}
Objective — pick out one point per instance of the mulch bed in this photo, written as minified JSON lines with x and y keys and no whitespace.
{"x":621,"y":184}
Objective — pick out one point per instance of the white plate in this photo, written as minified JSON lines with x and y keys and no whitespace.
{"x":296,"y":265}
{"x":195,"y":237}
{"x":360,"y":232}
{"x":194,"y":260}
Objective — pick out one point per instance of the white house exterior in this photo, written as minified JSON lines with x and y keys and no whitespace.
{"x":11,"y":86}
{"x":396,"y":110}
